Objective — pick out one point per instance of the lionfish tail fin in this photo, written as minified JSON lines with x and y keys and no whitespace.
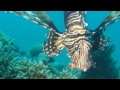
{"x":54,"y":45}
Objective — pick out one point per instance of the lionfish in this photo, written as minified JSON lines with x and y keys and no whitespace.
{"x":79,"y":41}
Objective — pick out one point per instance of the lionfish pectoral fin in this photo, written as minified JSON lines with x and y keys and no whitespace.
{"x":112,"y":17}
{"x":39,"y":17}
{"x":53,"y":46}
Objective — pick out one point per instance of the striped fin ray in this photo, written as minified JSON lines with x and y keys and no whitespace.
{"x":54,"y":45}
{"x":72,"y":18}
{"x":98,"y":34}
{"x":80,"y":55}
{"x":112,"y":17}
{"x":39,"y":17}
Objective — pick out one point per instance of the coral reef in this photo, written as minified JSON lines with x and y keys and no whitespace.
{"x":56,"y":67}
{"x":13,"y":67}
{"x":69,"y":74}
{"x":8,"y":56}
{"x":105,"y":65}
{"x":36,"y":50}
{"x":44,"y":58}
{"x":28,"y":69}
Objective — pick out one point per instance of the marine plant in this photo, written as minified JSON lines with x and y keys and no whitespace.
{"x":105,"y":65}
{"x":77,"y":39}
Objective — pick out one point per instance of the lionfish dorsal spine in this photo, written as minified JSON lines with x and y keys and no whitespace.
{"x":75,"y":19}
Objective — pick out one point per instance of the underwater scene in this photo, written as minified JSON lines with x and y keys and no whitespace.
{"x":59,"y":45}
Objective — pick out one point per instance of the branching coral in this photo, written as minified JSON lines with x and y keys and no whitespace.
{"x":12,"y":67}
{"x":33,"y":70}
{"x":8,"y":57}
{"x":43,"y":57}
{"x":63,"y":72}
{"x":69,"y":74}
{"x":28,"y":69}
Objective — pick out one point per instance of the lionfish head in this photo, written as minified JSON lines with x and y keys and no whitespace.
{"x":80,"y":55}
{"x":79,"y":51}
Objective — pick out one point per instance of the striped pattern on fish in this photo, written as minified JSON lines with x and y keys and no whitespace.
{"x":77,"y":39}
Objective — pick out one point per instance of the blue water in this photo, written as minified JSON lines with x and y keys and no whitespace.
{"x":26,"y":33}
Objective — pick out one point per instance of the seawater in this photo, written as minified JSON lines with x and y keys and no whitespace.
{"x":26,"y":33}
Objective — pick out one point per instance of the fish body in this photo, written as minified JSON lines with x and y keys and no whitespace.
{"x":77,"y":39}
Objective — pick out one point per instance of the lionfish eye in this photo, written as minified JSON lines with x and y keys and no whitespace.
{"x":76,"y":46}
